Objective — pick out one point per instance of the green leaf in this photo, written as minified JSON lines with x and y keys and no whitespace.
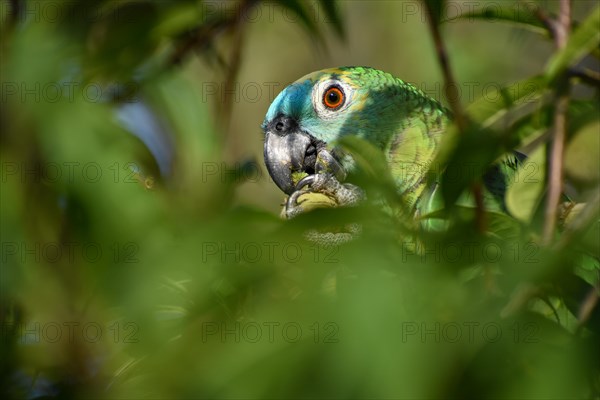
{"x":474,"y":152}
{"x":333,"y":16}
{"x":298,"y":8}
{"x":588,"y":238}
{"x":581,"y":42}
{"x":576,"y":292}
{"x":373,"y":169}
{"x":514,"y":15}
{"x":582,"y":158}
{"x":180,"y":17}
{"x":499,"y":224}
{"x":523,"y":196}
{"x":495,"y":104}
{"x":368,"y":158}
{"x":122,"y":47}
{"x":528,"y":127}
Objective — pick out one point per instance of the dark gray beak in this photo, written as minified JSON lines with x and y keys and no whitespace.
{"x":288,"y":150}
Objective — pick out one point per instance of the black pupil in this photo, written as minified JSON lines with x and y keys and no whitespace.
{"x":333,"y":97}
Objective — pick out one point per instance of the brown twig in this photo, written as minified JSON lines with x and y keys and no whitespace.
{"x":450,"y":86}
{"x":590,"y":77}
{"x":561,"y":104}
{"x":451,"y":92}
{"x":587,"y":307}
{"x":232,"y":70}
{"x":543,"y":17}
{"x":16,"y":12}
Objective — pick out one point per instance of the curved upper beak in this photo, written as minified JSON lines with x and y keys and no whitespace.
{"x":288,"y":150}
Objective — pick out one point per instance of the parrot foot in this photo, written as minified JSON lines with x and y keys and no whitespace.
{"x":325,"y":184}
{"x":345,"y":194}
{"x":294,"y":206}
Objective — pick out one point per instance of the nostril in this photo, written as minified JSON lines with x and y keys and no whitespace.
{"x":283,"y":124}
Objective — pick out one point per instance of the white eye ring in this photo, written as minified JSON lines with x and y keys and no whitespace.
{"x":318,"y":98}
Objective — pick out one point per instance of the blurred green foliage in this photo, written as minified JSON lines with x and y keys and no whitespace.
{"x":121,"y":280}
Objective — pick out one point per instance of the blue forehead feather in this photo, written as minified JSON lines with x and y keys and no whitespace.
{"x":294,"y":101}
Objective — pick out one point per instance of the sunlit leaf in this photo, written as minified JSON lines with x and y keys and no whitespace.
{"x":582,"y":156}
{"x":497,"y":102}
{"x":513,"y":14}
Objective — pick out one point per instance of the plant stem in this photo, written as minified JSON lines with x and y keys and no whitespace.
{"x":544,"y":18}
{"x":592,"y":78}
{"x":561,"y":104}
{"x":451,"y":92}
{"x":450,"y":86}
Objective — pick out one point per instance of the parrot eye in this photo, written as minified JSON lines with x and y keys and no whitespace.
{"x":333,"y":98}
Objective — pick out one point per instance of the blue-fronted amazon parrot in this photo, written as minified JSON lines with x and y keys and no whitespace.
{"x":307,"y":119}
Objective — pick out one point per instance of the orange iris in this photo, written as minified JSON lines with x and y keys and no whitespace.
{"x":333,"y":97}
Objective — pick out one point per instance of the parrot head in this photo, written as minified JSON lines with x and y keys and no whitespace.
{"x":309,"y":115}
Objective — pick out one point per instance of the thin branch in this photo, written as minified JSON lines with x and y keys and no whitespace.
{"x":555,"y":181}
{"x":235,"y":62}
{"x":587,"y":307}
{"x":588,"y":76}
{"x":16,"y":12}
{"x":543,"y":17}
{"x":519,"y":299}
{"x":564,"y":24}
{"x":451,"y":92}
{"x":561,"y":104}
{"x":450,"y":86}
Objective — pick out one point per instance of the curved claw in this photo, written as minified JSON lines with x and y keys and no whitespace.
{"x":306,"y":181}
{"x":292,"y":200}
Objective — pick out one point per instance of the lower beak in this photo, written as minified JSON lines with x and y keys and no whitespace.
{"x":286,"y":154}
